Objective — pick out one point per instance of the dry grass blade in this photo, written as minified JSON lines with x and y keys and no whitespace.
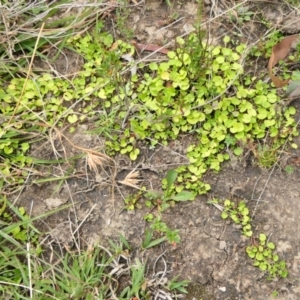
{"x":94,"y":157}
{"x":131,"y":180}
{"x":95,"y":160}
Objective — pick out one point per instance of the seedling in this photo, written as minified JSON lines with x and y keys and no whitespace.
{"x":148,"y":242}
{"x":161,"y":227}
{"x":264,"y":47}
{"x":243,"y":14}
{"x":132,"y":201}
{"x":169,"y":196}
{"x":178,"y":285}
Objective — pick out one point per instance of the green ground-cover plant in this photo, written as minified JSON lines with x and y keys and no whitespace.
{"x":266,"y":259}
{"x":261,"y":251}
{"x":21,"y":24}
{"x":16,"y":231}
{"x":162,"y":228}
{"x":14,"y":222}
{"x":29,"y":108}
{"x":169,"y":197}
{"x":239,"y":214}
{"x":199,"y":90}
{"x":264,"y":47}
{"x":132,"y":200}
{"x":294,"y":3}
{"x":160,"y":201}
{"x":171,"y":100}
{"x":166,"y":99}
{"x":149,"y":242}
{"x":241,"y":15}
{"x":93,"y":273}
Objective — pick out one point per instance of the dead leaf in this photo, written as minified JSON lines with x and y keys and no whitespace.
{"x":130,"y":59}
{"x":94,"y":160}
{"x":162,"y":23}
{"x":279,"y":52}
{"x":114,"y":45}
{"x":131,"y":180}
{"x":295,"y":161}
{"x":150,"y":47}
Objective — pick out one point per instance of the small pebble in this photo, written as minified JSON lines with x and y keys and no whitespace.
{"x":267,"y":227}
{"x":222,"y":245}
{"x":191,"y":223}
{"x":199,"y":221}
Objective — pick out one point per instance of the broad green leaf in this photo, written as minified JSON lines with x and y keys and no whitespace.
{"x":171,"y":177}
{"x":134,"y":154}
{"x":238,"y":151}
{"x":248,"y":233}
{"x":245,"y":211}
{"x":262,"y":113}
{"x":262,"y":237}
{"x":259,"y":256}
{"x":183,"y":196}
{"x":263,"y":266}
{"x":68,"y":96}
{"x":235,"y":56}
{"x":224,"y":215}
{"x":272,"y":98}
{"x":227,"y":203}
{"x":269,"y":123}
{"x":216,"y":51}
{"x":156,"y":242}
{"x":165,"y":75}
{"x":240,"y":48}
{"x":292,"y":110}
{"x":153,"y":66}
{"x":294,"y":146}
{"x":271,"y":246}
{"x":275,"y":257}
{"x":226,"y":39}
{"x":171,"y":54}
{"x":220,"y":59}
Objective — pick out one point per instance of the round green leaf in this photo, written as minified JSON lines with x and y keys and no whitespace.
{"x":72,"y":118}
{"x":262,"y":237}
{"x":238,"y":151}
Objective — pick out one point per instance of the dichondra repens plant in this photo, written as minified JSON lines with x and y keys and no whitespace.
{"x":156,"y":104}
{"x":198,"y":89}
{"x":260,"y":249}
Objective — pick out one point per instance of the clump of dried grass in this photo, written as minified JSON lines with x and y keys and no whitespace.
{"x":21,"y":21}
